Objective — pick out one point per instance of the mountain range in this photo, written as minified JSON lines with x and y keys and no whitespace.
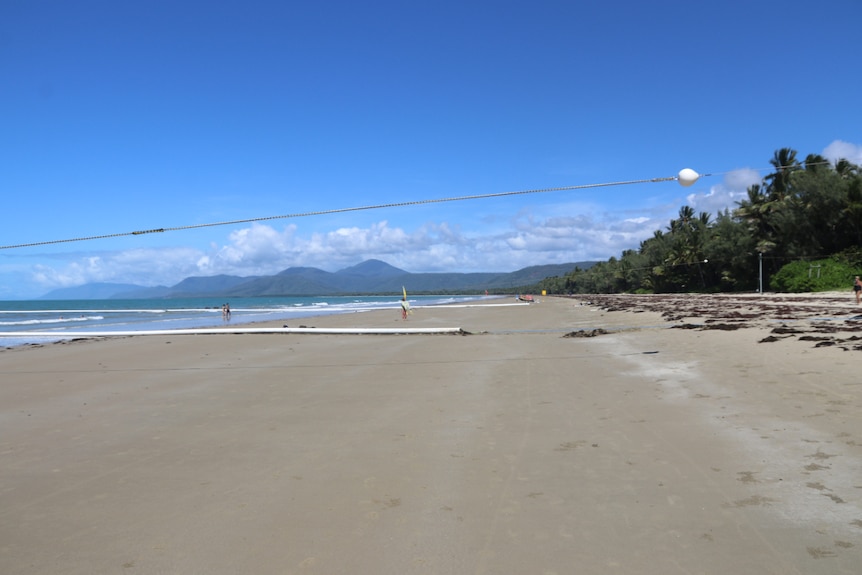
{"x":368,"y":277}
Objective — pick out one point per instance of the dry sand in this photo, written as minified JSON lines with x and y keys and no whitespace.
{"x":629,"y":446}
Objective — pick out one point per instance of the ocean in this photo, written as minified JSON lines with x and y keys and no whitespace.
{"x":19,"y":319}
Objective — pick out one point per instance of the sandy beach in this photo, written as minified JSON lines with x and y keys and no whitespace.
{"x":599,"y":434}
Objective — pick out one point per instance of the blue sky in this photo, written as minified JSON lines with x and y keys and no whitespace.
{"x":126,"y":116}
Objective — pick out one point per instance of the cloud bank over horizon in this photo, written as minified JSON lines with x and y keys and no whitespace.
{"x":361,"y":122}
{"x":541,"y":234}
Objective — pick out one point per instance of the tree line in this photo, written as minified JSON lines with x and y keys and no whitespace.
{"x":799,"y":229}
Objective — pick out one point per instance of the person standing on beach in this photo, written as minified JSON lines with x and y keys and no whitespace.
{"x":857,"y":289}
{"x":405,"y":308}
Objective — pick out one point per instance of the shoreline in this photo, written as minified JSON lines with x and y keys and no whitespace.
{"x":240,"y":323}
{"x":553,"y":431}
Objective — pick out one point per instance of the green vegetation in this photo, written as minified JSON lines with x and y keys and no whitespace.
{"x":802,"y":225}
{"x":816,"y":275}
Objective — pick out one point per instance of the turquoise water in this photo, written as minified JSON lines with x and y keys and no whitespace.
{"x":19,"y":318}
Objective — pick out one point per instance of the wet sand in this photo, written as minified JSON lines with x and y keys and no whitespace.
{"x":605,"y":434}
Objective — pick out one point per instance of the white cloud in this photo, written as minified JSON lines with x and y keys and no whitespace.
{"x":726,"y":194}
{"x":260,"y":249}
{"x":576,"y":238}
{"x":139,"y":266}
{"x":255,"y":247}
{"x":839,"y":149}
{"x":533,"y":236}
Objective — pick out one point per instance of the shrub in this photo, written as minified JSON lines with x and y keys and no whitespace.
{"x":811,"y":276}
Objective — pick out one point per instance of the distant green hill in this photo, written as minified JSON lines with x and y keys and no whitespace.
{"x":368,"y":277}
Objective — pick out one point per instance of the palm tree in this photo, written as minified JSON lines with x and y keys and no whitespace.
{"x":754,"y":211}
{"x":815,"y":162}
{"x":688,"y":235}
{"x":846,"y":169}
{"x":732,"y":257}
{"x":784,"y":161}
{"x":655,"y":250}
{"x":853,"y":211}
{"x":752,"y":207}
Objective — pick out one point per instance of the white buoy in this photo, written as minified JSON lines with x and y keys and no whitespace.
{"x":687,"y":177}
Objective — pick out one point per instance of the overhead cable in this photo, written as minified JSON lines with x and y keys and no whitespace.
{"x":335,"y":211}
